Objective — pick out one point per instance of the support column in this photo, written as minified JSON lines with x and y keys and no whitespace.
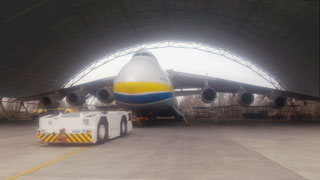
{"x":26,"y":109}
{"x":2,"y":107}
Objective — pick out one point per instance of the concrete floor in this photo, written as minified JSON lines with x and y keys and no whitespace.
{"x":225,"y":150}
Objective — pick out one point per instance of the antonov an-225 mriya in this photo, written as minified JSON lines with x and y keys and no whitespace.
{"x":143,"y":87}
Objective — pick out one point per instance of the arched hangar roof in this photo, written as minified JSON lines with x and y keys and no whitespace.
{"x":45,"y":42}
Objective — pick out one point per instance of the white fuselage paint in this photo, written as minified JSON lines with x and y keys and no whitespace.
{"x":142,"y":83}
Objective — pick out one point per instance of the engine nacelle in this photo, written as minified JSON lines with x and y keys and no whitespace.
{"x":245,"y":98}
{"x":104,"y":95}
{"x":49,"y":102}
{"x":208,"y":95}
{"x":277,"y":101}
{"x":77,"y":98}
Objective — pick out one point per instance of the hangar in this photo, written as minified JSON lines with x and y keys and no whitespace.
{"x":44,"y":42}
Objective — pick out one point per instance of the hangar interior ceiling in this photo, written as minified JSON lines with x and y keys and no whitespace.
{"x":45,"y":42}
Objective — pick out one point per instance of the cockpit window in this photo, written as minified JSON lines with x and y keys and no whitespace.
{"x":143,"y":54}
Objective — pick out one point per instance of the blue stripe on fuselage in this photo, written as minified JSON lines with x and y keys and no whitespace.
{"x":142,"y":99}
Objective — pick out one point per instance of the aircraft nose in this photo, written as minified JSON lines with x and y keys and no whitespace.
{"x":141,"y":92}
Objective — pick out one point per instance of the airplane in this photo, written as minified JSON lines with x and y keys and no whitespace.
{"x":143,"y":87}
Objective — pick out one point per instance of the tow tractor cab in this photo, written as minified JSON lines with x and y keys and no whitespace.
{"x":93,"y":127}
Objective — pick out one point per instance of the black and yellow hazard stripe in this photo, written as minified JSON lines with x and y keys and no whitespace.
{"x":69,"y":137}
{"x":48,"y":138}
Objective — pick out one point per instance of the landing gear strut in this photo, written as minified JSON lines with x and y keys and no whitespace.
{"x":179,"y":115}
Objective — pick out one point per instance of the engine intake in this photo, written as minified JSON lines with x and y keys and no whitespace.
{"x":49,"y":102}
{"x":278,"y":101}
{"x":208,"y":95}
{"x":77,"y":98}
{"x":245,"y":98}
{"x":105,"y":95}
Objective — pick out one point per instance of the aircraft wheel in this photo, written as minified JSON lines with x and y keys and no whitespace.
{"x":153,"y":121}
{"x":178,"y":118}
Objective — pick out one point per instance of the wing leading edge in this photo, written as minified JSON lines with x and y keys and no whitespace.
{"x":90,"y":87}
{"x":182,"y":80}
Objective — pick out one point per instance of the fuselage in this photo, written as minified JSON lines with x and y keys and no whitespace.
{"x":142,"y":84}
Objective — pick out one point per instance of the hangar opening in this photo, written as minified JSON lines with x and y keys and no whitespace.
{"x":78,"y":78}
{"x":226,"y":55}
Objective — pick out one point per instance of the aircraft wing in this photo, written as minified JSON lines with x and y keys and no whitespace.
{"x":91,"y":87}
{"x":182,"y":80}
{"x":186,"y":92}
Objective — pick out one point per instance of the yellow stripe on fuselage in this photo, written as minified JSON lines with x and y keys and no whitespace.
{"x":141,"y":87}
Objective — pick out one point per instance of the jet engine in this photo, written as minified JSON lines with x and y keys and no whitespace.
{"x":208,"y":95}
{"x":49,"y":102}
{"x":245,"y":98}
{"x":277,"y":101}
{"x":77,"y":98}
{"x":105,"y":95}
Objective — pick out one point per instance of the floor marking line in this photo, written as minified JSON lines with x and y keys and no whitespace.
{"x":48,"y":163}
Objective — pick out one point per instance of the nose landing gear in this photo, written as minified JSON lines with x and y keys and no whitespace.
{"x":145,"y":120}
